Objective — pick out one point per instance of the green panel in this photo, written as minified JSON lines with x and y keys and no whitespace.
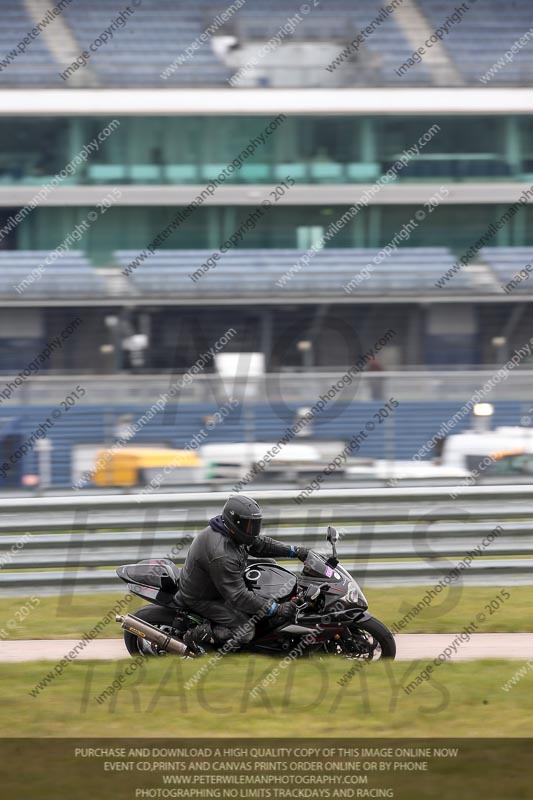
{"x":325,"y":149}
{"x":133,"y":227}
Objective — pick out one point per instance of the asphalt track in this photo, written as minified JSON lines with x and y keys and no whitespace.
{"x":409,"y":647}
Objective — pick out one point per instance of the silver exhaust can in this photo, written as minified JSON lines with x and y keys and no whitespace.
{"x":152,"y":634}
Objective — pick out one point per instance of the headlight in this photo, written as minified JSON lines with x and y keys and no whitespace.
{"x":352,"y":594}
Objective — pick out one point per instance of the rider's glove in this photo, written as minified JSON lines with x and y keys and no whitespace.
{"x":286,"y":610}
{"x":301,"y":553}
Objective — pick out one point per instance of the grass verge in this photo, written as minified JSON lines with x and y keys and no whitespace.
{"x":67,"y":617}
{"x":305,"y":699}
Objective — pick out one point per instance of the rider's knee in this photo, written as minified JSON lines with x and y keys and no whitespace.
{"x":247,"y":635}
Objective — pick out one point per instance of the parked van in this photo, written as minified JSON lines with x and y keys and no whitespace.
{"x":239,"y":460}
{"x":507,"y":450}
{"x":139,"y":466}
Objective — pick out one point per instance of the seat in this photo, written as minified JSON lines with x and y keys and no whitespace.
{"x":170,"y":585}
{"x":175,"y":570}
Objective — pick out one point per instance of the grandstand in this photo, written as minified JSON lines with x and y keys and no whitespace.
{"x":281,"y":250}
{"x":508,"y":263}
{"x":26,"y":272}
{"x":357,"y":196}
{"x":159,"y":31}
{"x":415,"y":422}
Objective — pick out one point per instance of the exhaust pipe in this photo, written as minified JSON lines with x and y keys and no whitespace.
{"x":153,"y":635}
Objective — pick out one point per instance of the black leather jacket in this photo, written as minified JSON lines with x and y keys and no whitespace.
{"x":215,"y":564}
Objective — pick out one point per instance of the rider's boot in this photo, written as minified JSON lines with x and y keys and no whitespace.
{"x":199,"y":639}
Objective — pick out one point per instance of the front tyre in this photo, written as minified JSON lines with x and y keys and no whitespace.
{"x":162,"y":618}
{"x":370,"y":640}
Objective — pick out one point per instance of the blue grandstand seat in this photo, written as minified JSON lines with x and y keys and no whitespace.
{"x":406,"y":270}
{"x":415,"y":422}
{"x":25,"y":273}
{"x":159,"y":31}
{"x":509,"y":262}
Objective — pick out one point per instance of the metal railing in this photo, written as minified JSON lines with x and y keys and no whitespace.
{"x":387,"y":536}
{"x":297,"y":387}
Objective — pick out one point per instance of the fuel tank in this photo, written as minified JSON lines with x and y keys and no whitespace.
{"x":270,"y":580}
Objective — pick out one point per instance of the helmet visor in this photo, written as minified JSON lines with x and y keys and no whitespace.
{"x":251,"y":526}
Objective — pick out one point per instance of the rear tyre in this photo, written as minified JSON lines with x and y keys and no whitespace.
{"x":156,"y":615}
{"x":373,"y":640}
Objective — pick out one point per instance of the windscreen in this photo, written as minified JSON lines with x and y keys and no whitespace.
{"x":315,"y":566}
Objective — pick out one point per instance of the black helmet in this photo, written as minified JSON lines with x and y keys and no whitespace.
{"x":242,"y":517}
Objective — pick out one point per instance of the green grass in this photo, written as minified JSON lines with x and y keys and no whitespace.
{"x":64,"y":617}
{"x":461,"y":700}
{"x":453,"y":608}
{"x":67,"y":617}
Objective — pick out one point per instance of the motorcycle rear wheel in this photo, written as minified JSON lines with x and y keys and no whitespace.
{"x":156,"y":615}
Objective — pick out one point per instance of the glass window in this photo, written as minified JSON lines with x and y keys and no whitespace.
{"x":185,"y":150}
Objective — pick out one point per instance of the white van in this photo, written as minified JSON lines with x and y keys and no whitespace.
{"x":503,"y":451}
{"x":235,"y":461}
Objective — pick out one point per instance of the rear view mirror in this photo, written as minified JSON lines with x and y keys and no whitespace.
{"x":333,"y":534}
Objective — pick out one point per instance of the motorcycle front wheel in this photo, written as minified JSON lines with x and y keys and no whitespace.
{"x":369,"y":640}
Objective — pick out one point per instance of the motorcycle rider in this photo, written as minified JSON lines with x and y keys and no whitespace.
{"x":212,"y":579}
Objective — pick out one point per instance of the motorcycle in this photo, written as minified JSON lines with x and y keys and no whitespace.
{"x":332,"y":612}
